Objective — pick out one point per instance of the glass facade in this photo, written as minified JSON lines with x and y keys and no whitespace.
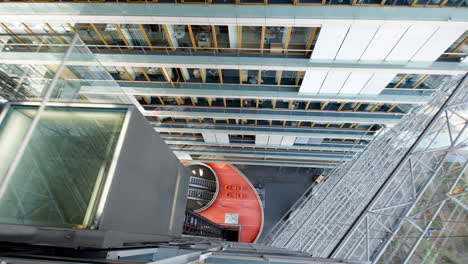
{"x":399,"y":3}
{"x":63,"y":167}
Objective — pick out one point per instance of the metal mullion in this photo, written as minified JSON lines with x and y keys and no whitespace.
{"x":178,"y":100}
{"x":460,"y":45}
{"x":391,"y":108}
{"x":71,"y":28}
{"x":99,"y":35}
{"x":323,"y":106}
{"x":447,"y":121}
{"x":215,"y":39}
{"x":311,"y":39}
{"x":288,"y":39}
{"x":127,"y":73}
{"x":32,"y":33}
{"x":280,"y":76}
{"x":145,"y":99}
{"x":168,"y":37}
{"x":262,"y":39}
{"x":220,"y":73}
{"x":367,"y":221}
{"x":422,"y":79}
{"x":240,"y":76}
{"x":298,"y":77}
{"x":142,"y":69}
{"x":122,"y":36}
{"x":357,"y":107}
{"x":442,"y":4}
{"x":341,"y":106}
{"x":401,"y":80}
{"x":167,"y":76}
{"x":161,"y":100}
{"x":192,"y":38}
{"x":202,"y":75}
{"x":239,"y":36}
{"x":145,"y":36}
{"x":55,"y":32}
{"x":375,"y":107}
{"x":12,"y":33}
{"x":392,"y":206}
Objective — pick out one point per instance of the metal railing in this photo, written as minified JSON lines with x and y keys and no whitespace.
{"x":197,"y":225}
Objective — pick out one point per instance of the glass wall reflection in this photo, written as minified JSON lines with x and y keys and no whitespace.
{"x":64,"y":166}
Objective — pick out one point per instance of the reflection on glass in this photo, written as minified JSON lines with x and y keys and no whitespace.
{"x":251,"y":38}
{"x":66,"y":160}
{"x":275,"y":38}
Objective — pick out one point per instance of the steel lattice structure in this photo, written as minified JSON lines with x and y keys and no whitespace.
{"x":342,"y":218}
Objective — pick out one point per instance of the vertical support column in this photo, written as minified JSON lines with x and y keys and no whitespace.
{"x":233,"y":40}
{"x":185,"y":74}
{"x":171,"y":32}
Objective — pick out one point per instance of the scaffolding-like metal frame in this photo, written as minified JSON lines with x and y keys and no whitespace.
{"x":430,"y":161}
{"x":329,"y":219}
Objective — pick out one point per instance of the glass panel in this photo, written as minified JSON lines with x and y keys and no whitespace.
{"x":212,"y":76}
{"x":110,"y":33}
{"x":203,"y":37}
{"x":222,"y":36}
{"x":231,"y":76}
{"x":87,"y":34}
{"x":195,"y":75}
{"x":181,"y":34}
{"x":289,"y":78}
{"x":299,"y":39}
{"x":155,"y":74}
{"x":250,"y":76}
{"x":269,"y":77}
{"x":54,"y":181}
{"x":275,"y":38}
{"x":251,"y":37}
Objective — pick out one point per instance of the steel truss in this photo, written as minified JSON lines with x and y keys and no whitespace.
{"x":404,"y":210}
{"x":330,"y":219}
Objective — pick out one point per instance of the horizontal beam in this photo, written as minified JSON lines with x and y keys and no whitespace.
{"x":388,"y":96}
{"x":268,"y":154}
{"x":229,"y":62}
{"x":275,"y":115}
{"x":322,"y":147}
{"x":253,"y":130}
{"x":279,"y":64}
{"x":261,"y":162}
{"x":268,"y":15}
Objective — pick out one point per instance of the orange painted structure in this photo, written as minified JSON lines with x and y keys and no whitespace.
{"x":236,"y":196}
